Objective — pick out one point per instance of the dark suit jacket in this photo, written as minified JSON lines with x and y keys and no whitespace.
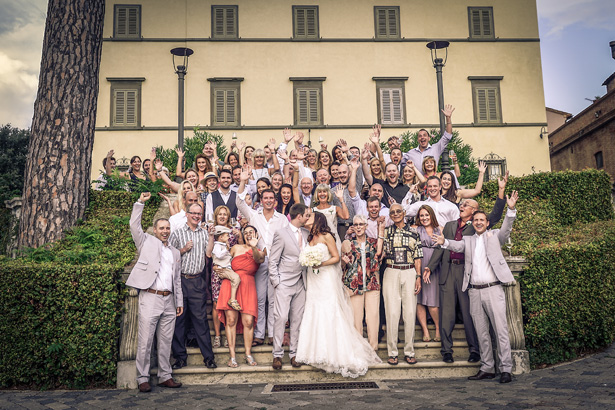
{"x":443,"y":256}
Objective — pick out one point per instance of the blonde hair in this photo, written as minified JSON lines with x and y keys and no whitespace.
{"x":181,"y":194}
{"x":322,"y":188}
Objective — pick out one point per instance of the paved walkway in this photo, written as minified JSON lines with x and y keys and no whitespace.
{"x":588,"y":383}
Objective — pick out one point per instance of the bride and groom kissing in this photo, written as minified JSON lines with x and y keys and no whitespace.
{"x":322,"y":333}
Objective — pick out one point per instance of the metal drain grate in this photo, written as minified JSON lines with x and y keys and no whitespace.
{"x":324,"y":386}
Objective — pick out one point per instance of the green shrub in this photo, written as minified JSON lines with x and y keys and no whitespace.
{"x":62,"y":303}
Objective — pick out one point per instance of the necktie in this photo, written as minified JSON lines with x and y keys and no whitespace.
{"x":299,"y":239}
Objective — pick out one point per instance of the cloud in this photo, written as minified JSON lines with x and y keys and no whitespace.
{"x":560,"y":14}
{"x":22,"y":26}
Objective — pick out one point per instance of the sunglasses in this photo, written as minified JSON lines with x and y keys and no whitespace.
{"x":359,"y":224}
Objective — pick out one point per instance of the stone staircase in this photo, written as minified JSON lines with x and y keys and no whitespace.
{"x":430,"y":364}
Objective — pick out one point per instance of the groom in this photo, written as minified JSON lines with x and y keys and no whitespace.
{"x":288,"y":278}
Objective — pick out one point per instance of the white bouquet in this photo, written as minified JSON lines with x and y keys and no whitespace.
{"x":311,"y":257}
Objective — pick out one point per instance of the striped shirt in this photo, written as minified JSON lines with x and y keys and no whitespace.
{"x":193,"y":261}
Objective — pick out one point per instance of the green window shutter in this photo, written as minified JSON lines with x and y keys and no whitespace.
{"x":486,"y":23}
{"x":476,"y":23}
{"x":121,"y":19}
{"x":308,"y":106}
{"x":392,"y":24}
{"x":481,"y":96}
{"x":387,"y":22}
{"x":133,"y":22}
{"x":481,"y":22}
{"x":300,"y":23}
{"x":120,"y":107}
{"x":226,"y":107}
{"x":305,"y":21}
{"x":224,"y":20}
{"x":127,"y":21}
{"x":231,"y":22}
{"x":391,"y":106}
{"x":218,"y":22}
{"x":382,"y":23}
{"x":125,"y":108}
{"x":488,"y":105}
{"x":231,"y":107}
{"x":313,"y":99}
{"x":131,"y":108}
{"x":310,"y":23}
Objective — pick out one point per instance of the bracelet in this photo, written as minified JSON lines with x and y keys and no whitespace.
{"x":380,"y":237}
{"x":418,"y":276}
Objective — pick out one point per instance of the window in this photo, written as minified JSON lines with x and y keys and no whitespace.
{"x":387,"y":22}
{"x":224,"y":22}
{"x":305,"y":22}
{"x":307,"y":100}
{"x":126,"y":102}
{"x":486,"y":99}
{"x":391,"y":100}
{"x":599,"y":161}
{"x":127,"y":21}
{"x":480,"y":20}
{"x":225,"y":102}
{"x":496,"y":166}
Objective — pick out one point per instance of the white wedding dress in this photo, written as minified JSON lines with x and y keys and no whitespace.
{"x":328,"y":339}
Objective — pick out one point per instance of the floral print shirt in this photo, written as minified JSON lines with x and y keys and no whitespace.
{"x":353,"y":272}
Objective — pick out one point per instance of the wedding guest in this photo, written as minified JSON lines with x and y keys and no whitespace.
{"x":277,"y":179}
{"x":179,"y":219}
{"x":233,"y":159}
{"x":322,"y":204}
{"x":450,"y":191}
{"x":223,"y":195}
{"x":324,"y":159}
{"x":285,"y":199}
{"x":190,"y":175}
{"x":401,"y":283}
{"x":180,"y":202}
{"x":429,"y":298}
{"x":246,"y":260}
{"x":221,"y":218}
{"x":361,"y":263}
{"x":445,"y":210}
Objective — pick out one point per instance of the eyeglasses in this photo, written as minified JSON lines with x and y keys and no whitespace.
{"x":193,"y":213}
{"x":396,"y":212}
{"x":358,"y":224}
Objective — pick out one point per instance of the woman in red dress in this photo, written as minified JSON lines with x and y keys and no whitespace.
{"x":246,"y":259}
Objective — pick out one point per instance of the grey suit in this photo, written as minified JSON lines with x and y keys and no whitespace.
{"x":288,"y":278}
{"x":488,"y":305}
{"x":155,"y":311}
{"x":451,"y":282}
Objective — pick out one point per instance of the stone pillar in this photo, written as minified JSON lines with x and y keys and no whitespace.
{"x":15,"y":206}
{"x":126,"y":367}
{"x":514,"y":314}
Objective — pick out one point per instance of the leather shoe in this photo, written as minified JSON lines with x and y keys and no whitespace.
{"x":277,"y":363}
{"x":505,"y":377}
{"x":294,"y":363}
{"x":179,"y":363}
{"x":210,"y":364}
{"x":482,"y":375}
{"x":144,"y":387}
{"x":447,"y":358}
{"x":170,"y":383}
{"x":474,"y":357}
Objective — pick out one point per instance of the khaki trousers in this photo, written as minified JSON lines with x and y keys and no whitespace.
{"x":368,"y":302}
{"x":398,"y":292}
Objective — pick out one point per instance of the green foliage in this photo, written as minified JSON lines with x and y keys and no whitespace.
{"x":467,"y":164}
{"x":565,"y":230}
{"x":192,"y":147}
{"x":568,"y":296}
{"x":61,"y":304}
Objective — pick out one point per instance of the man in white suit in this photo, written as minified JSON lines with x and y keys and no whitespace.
{"x":288,"y":278}
{"x":157,"y":275}
{"x":485,"y":271}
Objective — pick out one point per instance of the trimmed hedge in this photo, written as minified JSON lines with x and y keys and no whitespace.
{"x":565,"y":230}
{"x":62,"y":304}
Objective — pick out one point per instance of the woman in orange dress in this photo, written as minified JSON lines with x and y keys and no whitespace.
{"x":246,"y":259}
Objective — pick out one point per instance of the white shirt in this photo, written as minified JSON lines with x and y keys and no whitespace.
{"x":482,"y":272}
{"x":179,"y":219}
{"x":360,"y":208}
{"x":266,"y":228}
{"x":221,"y":255}
{"x":445,"y":210}
{"x":164,"y":280}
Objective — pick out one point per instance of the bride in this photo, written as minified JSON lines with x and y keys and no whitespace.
{"x":328,"y":339}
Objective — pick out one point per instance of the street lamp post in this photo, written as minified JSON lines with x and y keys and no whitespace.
{"x":439,"y":63}
{"x":180,"y":64}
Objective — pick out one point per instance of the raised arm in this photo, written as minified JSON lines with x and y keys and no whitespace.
{"x":180,"y":163}
{"x":352,"y":179}
{"x":136,"y":230}
{"x":245,"y":210}
{"x":367,"y":172}
{"x":511,"y":214}
{"x":152,"y":158}
{"x":276,"y":163}
{"x":173,"y":185}
{"x":108,"y":169}
{"x":471,"y":193}
{"x":342,"y":212}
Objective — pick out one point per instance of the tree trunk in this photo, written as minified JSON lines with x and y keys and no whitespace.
{"x":57,"y":177}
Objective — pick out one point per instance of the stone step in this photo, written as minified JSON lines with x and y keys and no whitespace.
{"x":264,"y":373}
{"x":458,"y":332}
{"x":263,"y":354}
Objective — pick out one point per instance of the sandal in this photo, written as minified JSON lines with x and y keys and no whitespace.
{"x":216,"y":343}
{"x":437,"y":339}
{"x":392,"y":360}
{"x":426,"y":338}
{"x":410,"y":360}
{"x":258,"y":342}
{"x":234,"y":304}
{"x":250,"y":361}
{"x":232,"y":363}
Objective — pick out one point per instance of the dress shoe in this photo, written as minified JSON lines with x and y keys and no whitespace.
{"x":170,"y":383}
{"x":294,"y":363}
{"x":277,"y":363}
{"x":179,"y":363}
{"x":210,"y":364}
{"x":482,"y":375}
{"x":505,"y":377}
{"x":447,"y":358}
{"x":144,"y":387}
{"x":474,"y":357}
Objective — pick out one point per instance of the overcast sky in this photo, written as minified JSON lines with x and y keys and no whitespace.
{"x":574,"y":34}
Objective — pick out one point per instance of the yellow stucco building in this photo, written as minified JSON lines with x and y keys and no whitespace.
{"x":332,"y":67}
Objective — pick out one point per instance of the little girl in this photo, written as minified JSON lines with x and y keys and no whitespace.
{"x":222,"y":258}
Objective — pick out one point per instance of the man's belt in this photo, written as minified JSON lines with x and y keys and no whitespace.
{"x":190,"y":276}
{"x":457,"y":261}
{"x":486,"y":285}
{"x":159,"y":292}
{"x":405,"y":266}
{"x":344,"y":224}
